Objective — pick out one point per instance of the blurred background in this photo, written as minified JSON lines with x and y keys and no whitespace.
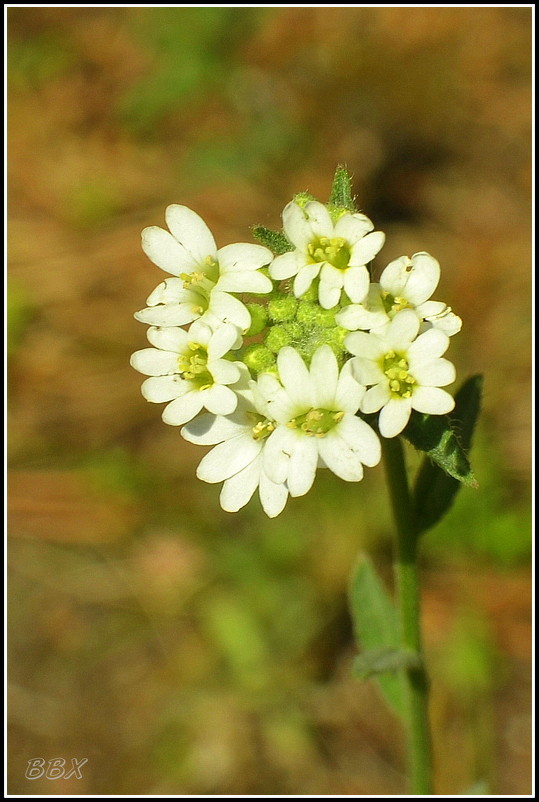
{"x":181,"y":649}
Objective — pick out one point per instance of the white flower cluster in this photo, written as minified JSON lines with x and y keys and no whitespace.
{"x":287,"y":352}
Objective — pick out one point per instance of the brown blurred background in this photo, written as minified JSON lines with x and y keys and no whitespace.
{"x":180,"y":649}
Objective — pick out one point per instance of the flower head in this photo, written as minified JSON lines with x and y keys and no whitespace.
{"x":187,"y":370}
{"x":314,"y":410}
{"x":403,"y":371}
{"x":336,"y":252}
{"x":204,"y":276}
{"x":404,"y":284}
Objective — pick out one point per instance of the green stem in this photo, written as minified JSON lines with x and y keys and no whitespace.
{"x":407,"y":583}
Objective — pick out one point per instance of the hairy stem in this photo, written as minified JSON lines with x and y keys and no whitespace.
{"x":408,"y":593}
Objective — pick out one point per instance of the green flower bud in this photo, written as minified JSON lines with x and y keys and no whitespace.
{"x":258,"y":358}
{"x":282,"y":309}
{"x":303,"y":198}
{"x":277,"y":338}
{"x":294,"y":330}
{"x":259,"y":319}
{"x":311,"y":314}
{"x":312,"y":293}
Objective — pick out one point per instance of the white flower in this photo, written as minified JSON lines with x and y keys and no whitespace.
{"x":337,"y":252}
{"x":187,"y":370}
{"x":405,"y":373}
{"x":404,"y":284}
{"x":204,"y":277}
{"x":237,"y":459}
{"x":315,"y":412}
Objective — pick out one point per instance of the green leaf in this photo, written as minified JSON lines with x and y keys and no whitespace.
{"x":376,"y":627}
{"x":341,"y":191}
{"x":380,"y":661}
{"x":273,"y":240}
{"x":446,"y":465}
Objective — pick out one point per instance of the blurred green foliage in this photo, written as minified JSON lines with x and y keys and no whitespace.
{"x":190,"y":53}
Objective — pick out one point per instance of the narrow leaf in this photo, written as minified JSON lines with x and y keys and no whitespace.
{"x":435,"y":490}
{"x":376,"y":627}
{"x":341,"y":191}
{"x":273,"y":240}
{"x":380,"y":661}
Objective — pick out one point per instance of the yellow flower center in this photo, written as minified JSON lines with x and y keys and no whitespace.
{"x":395,"y":367}
{"x":262,"y":428}
{"x":316,"y":422}
{"x":334,"y":250}
{"x":394,"y":303}
{"x":193,"y":366}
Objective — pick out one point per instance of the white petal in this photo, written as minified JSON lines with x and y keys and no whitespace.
{"x":353,"y":227}
{"x":402,"y":330}
{"x":367,"y":346}
{"x":230,"y":309}
{"x":273,"y":496}
{"x":366,"y":371}
{"x":319,"y":219}
{"x":375,"y":398}
{"x":295,"y":377}
{"x":242,"y":256}
{"x":302,"y":226}
{"x":183,"y":409}
{"x":395,"y":276}
{"x":356,"y":283}
{"x":244,"y":281}
{"x":356,"y":316}
{"x":437,"y":373}
{"x":328,"y":295}
{"x":170,"y":291}
{"x":304,"y":279}
{"x":447,"y":321}
{"x":431,"y":309}
{"x":331,"y":275}
{"x":339,"y":458}
{"x":208,"y":430}
{"x":277,"y":450}
{"x":238,"y":490}
{"x":422,"y":279}
{"x":168,"y":315}
{"x":219,"y":399}
{"x":170,"y":338}
{"x":361,"y":438}
{"x":286,"y":265}
{"x":428,"y":346}
{"x":302,"y":466}
{"x":227,"y":459}
{"x":223,"y":371}
{"x":366,"y":249}
{"x":349,"y":391}
{"x":165,"y":252}
{"x":153,"y":362}
{"x":191,"y":231}
{"x":394,"y":416}
{"x":223,"y":339}
{"x":432,"y":400}
{"x":282,"y":408}
{"x":164,"y":388}
{"x":324,"y":375}
{"x":200,"y":332}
